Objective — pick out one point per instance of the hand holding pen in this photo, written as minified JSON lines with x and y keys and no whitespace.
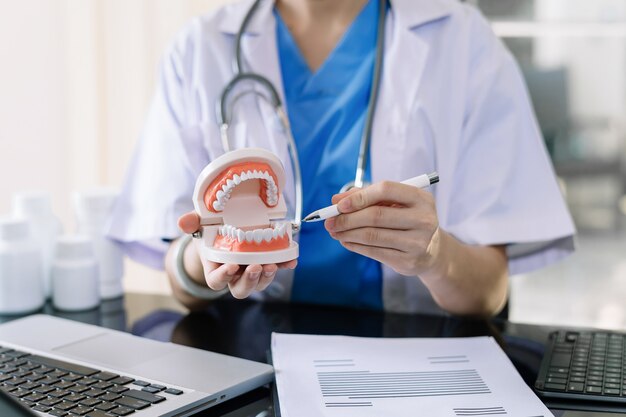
{"x":421,"y":181}
{"x":394,"y":223}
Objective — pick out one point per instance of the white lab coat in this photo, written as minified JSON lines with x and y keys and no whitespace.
{"x":452,"y":100}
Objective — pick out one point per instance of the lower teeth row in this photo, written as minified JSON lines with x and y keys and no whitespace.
{"x":258,"y":235}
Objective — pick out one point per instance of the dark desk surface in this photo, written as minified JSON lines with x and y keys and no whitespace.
{"x":243,"y":329}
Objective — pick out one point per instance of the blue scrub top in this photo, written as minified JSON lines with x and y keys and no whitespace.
{"x":327,"y":110}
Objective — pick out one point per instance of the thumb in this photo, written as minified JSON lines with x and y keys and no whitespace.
{"x":189,"y":222}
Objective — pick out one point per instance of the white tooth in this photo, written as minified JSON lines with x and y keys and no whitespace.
{"x":225,"y":188}
{"x":257,"y":174}
{"x":241,"y":236}
{"x":250,"y":175}
{"x":244,"y":176}
{"x":274,"y":233}
{"x":258,"y":235}
{"x":233,"y":233}
{"x":267,"y":234}
{"x":230,"y":183}
{"x":249,"y":236}
{"x":237,"y":179}
{"x":220,"y":194}
{"x":282,"y":230}
{"x":216,"y":205}
{"x":219,"y":230}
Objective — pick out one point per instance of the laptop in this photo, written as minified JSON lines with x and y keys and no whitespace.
{"x":10,"y":407}
{"x":59,"y":367}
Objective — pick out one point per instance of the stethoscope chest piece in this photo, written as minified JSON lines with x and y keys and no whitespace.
{"x":239,"y":198}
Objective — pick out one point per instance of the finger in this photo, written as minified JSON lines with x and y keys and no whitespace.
{"x":288,"y":265}
{"x":389,"y":257}
{"x":189,"y":222}
{"x":218,"y":278}
{"x":337,"y":197}
{"x":374,"y":216}
{"x":372,"y":236}
{"x":268,"y":275}
{"x":381,"y":192}
{"x":248,"y":281}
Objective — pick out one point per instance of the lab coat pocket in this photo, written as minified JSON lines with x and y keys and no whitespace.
{"x":197,"y":155}
{"x":202,"y":143}
{"x":419,"y":144}
{"x":388,"y":148}
{"x":238,"y":135}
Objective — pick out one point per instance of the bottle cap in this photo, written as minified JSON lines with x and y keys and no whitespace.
{"x":96,"y":202}
{"x":13,"y":228}
{"x":32,"y":203}
{"x":72,"y":248}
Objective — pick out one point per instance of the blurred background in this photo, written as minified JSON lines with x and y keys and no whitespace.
{"x":77,"y":76}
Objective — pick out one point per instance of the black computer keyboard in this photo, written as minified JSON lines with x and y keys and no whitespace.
{"x":584,"y":366}
{"x":60,"y":388}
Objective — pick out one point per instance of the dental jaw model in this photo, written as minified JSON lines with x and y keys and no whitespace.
{"x":239,"y":199}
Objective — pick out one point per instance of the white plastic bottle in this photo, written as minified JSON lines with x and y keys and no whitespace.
{"x":21,"y":282}
{"x":75,"y":283}
{"x":93,"y":208}
{"x":36,"y":207}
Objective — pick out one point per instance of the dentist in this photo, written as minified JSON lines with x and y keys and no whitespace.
{"x":451,"y":99}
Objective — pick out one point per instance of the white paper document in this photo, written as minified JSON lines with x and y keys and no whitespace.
{"x":352,"y":376}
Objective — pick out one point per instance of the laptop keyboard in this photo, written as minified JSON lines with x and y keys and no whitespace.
{"x":61,"y":388}
{"x":585,"y":366}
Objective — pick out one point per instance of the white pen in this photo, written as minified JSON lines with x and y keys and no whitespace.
{"x":421,"y":181}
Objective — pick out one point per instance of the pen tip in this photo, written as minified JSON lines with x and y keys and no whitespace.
{"x":310,"y":218}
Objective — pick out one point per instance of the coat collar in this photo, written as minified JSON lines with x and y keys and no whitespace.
{"x":411,"y":14}
{"x":399,"y":83}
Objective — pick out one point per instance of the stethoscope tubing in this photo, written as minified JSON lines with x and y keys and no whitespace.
{"x":224,"y":113}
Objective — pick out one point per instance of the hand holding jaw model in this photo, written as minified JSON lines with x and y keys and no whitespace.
{"x":241,"y":206}
{"x":236,"y":209}
{"x":229,"y":255}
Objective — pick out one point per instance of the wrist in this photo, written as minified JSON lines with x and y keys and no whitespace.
{"x":192,"y":286}
{"x":192,"y":264}
{"x":438,"y":255}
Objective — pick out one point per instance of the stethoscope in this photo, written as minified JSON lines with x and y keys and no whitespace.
{"x":225,"y":108}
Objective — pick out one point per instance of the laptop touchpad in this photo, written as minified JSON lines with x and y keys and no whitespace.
{"x":114,"y":350}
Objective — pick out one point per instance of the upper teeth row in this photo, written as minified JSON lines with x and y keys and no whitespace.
{"x":257,"y":235}
{"x":224,"y":194}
